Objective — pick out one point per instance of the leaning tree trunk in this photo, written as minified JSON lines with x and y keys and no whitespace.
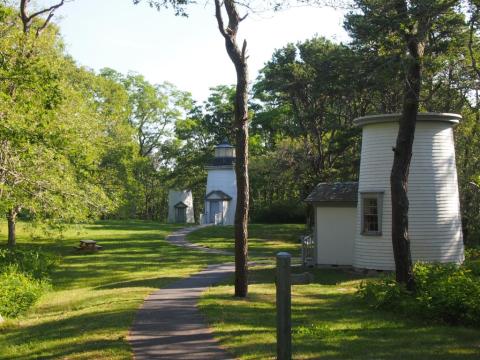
{"x":11,"y":220}
{"x":401,"y":167}
{"x":239,"y":59}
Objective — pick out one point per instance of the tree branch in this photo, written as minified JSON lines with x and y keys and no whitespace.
{"x":244,"y":50}
{"x":44,"y":25}
{"x":51,"y":9}
{"x":28,"y":19}
{"x":233,"y":17}
{"x":218,"y":15}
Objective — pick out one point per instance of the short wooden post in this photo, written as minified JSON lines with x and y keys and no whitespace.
{"x":284,"y":303}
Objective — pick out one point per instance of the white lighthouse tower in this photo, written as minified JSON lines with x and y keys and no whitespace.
{"x":221,"y":195}
{"x":434,"y":216}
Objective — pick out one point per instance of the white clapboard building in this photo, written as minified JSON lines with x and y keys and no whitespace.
{"x":180,"y":206}
{"x":353,"y":220}
{"x":221,"y":194}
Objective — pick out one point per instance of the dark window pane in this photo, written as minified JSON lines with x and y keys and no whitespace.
{"x":370,"y":215}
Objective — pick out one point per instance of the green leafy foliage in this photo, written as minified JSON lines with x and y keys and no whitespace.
{"x":468,"y":164}
{"x":444,"y":292}
{"x":18,"y":291}
{"x":472,"y":253}
{"x":31,"y":262}
{"x":50,"y":133}
{"x":24,"y":277}
{"x":315,"y":85}
{"x":279,"y":212}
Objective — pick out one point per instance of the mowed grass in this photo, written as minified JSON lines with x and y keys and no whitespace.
{"x":88,"y":313}
{"x":264,"y":240}
{"x":329,"y":322}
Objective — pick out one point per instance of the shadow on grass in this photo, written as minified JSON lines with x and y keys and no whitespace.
{"x":329,"y":322}
{"x":154,"y":283}
{"x":71,"y":335}
{"x":260,"y":275}
{"x":283,"y":232}
{"x":265,"y":240}
{"x":124,"y":253}
{"x":96,"y":295}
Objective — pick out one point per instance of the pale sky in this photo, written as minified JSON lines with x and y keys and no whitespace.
{"x":188,"y":52}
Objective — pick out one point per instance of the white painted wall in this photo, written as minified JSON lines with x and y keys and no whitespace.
{"x":335,"y":234}
{"x":174,"y":197}
{"x":223,"y":178}
{"x":434,"y":216}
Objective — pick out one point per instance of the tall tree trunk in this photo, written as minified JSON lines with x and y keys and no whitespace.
{"x":11,"y":219}
{"x":401,"y":166}
{"x":239,"y":59}
{"x":241,"y":169}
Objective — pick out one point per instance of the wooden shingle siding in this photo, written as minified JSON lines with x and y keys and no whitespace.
{"x":434,"y":216}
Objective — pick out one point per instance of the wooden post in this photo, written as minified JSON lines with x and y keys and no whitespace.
{"x":284,"y":303}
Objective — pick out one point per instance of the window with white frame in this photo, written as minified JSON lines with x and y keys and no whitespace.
{"x":372,"y":204}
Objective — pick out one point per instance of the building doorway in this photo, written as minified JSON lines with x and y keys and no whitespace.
{"x":181,"y":213}
{"x":214,"y":210}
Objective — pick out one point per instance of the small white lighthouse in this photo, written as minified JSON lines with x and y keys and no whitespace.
{"x":435,"y":225}
{"x":221,"y":195}
{"x":180,"y":206}
{"x":353,"y":221}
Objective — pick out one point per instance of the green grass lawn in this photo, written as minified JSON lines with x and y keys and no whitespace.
{"x":329,"y":322}
{"x":94,"y":298}
{"x":264,"y":240}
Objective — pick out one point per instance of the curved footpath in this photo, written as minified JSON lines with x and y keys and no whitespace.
{"x":169,"y":325}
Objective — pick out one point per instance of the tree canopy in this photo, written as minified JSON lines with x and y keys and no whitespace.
{"x":79,"y":145}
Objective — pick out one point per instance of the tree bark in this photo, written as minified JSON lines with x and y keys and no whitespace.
{"x":241,"y":169}
{"x":239,"y":60}
{"x":11,"y":219}
{"x":401,"y":166}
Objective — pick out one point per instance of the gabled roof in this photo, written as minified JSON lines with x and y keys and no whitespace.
{"x":180,"y":205}
{"x":217,"y":195}
{"x":341,"y":192}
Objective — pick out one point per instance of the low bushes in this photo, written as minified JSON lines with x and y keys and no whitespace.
{"x":29,"y":261}
{"x":18,"y":291}
{"x":24,"y":277}
{"x":279,"y":212}
{"x":444,"y":292}
{"x":472,"y":253}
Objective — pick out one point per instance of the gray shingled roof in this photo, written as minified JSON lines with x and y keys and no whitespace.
{"x":218,"y":195}
{"x":334,"y":192}
{"x":180,"y":204}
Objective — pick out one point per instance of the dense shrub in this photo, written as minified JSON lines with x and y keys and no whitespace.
{"x":474,"y":267}
{"x":383,"y":293}
{"x":18,"y":291}
{"x":24,"y":276}
{"x":32,"y":262}
{"x":279,"y":212}
{"x":444,"y":292}
{"x":472,"y":253}
{"x":472,"y":260}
